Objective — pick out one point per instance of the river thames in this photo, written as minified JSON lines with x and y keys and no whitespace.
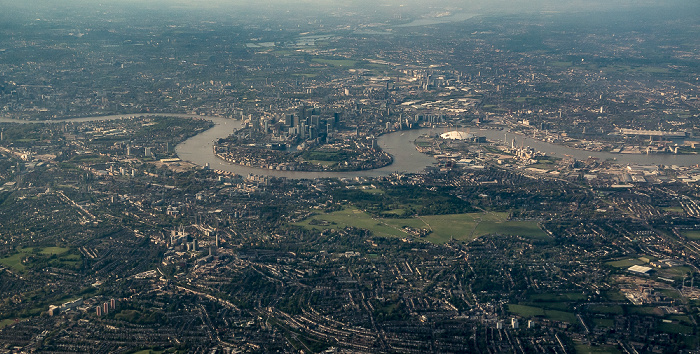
{"x":199,"y":149}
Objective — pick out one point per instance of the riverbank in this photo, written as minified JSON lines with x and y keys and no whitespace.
{"x":199,"y":149}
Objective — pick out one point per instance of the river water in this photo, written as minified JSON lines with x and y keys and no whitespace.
{"x":563,"y":151}
{"x":199,"y":149}
{"x":458,"y":17}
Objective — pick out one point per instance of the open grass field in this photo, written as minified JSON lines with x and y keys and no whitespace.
{"x":14,"y":261}
{"x":6,"y":322}
{"x":561,"y":64}
{"x":532,"y":311}
{"x":675,"y":272}
{"x":543,"y":165}
{"x":672,"y":293}
{"x":521,"y":99}
{"x":683,"y":319}
{"x":554,"y":304}
{"x":52,"y":250}
{"x":691,"y":234}
{"x":604,"y":322}
{"x":644,"y":310}
{"x":675,"y":328}
{"x":323,"y":163}
{"x":374,"y":191}
{"x":675,"y":209}
{"x":464,"y":227}
{"x":625,"y":263}
{"x":525,"y":311}
{"x":601,"y":349}
{"x":344,"y":63}
{"x":89,"y":159}
{"x":615,"y":296}
{"x":607,"y":309}
{"x":561,"y":316}
{"x":354,"y":218}
{"x":551,"y":297}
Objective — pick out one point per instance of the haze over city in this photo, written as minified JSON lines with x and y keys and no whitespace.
{"x":349,"y":177}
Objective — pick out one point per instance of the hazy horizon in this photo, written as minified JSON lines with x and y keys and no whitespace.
{"x":406,"y":7}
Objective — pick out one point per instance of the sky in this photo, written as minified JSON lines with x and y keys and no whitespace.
{"x":410,"y":8}
{"x":491,"y":5}
{"x":504,"y":6}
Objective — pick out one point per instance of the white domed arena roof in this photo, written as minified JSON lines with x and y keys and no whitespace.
{"x":455,"y":135}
